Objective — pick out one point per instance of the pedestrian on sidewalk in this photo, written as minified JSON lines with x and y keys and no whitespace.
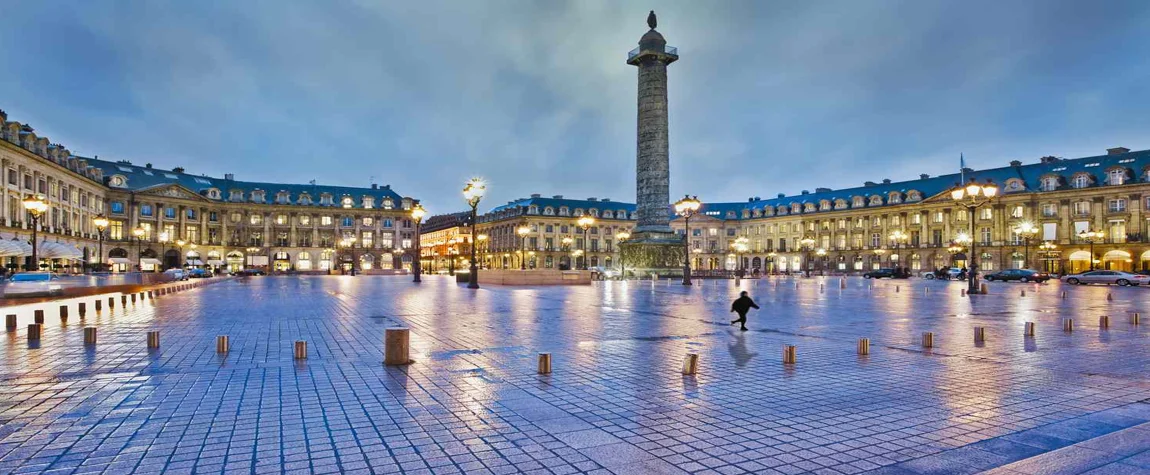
{"x":742,"y":305}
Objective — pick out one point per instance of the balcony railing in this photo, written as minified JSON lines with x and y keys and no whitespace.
{"x":671,"y":50}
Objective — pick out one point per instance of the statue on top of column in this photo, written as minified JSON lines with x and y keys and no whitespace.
{"x":651,"y":21}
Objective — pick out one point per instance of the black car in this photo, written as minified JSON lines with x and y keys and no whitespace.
{"x":1021,"y":275}
{"x":880,"y":273}
{"x":250,"y":272}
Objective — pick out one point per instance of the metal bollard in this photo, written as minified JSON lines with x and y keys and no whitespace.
{"x":1109,"y":297}
{"x":1068,"y":325}
{"x":89,"y":335}
{"x":1104,"y":321}
{"x":896,"y":289}
{"x":983,"y":288}
{"x":1136,"y":319}
{"x":133,"y":298}
{"x":111,"y":303}
{"x":821,"y":288}
{"x":979,"y":334}
{"x":928,"y":340}
{"x":842,"y":283}
{"x":790,"y":354}
{"x":1028,"y":329}
{"x":1063,"y":294}
{"x":544,"y":363}
{"x":98,"y":304}
{"x":397,"y":346}
{"x":64,"y":313}
{"x":38,"y":316}
{"x":82,"y":309}
{"x":34,"y":331}
{"x":154,"y":339}
{"x":124,"y":300}
{"x":691,"y":363}
{"x":864,"y":346}
{"x":10,"y":323}
{"x":222,"y":344}
{"x":300,"y":351}
{"x":963,"y":293}
{"x":1022,"y":293}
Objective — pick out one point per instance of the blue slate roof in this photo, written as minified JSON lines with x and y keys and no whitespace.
{"x":139,"y":178}
{"x":1028,"y":178}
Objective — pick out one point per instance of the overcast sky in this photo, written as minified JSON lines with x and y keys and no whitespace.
{"x":767,"y":97}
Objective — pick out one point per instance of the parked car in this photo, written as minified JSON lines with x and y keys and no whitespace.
{"x":29,"y":284}
{"x":603,"y":273}
{"x":176,"y":273}
{"x":880,"y":273}
{"x":199,"y":273}
{"x":1021,"y":275}
{"x":250,"y":272}
{"x":1106,"y":277}
{"x":952,"y":273}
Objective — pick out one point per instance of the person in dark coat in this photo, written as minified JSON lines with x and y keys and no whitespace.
{"x":742,"y":305}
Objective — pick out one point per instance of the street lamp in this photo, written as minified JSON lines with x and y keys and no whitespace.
{"x":619,"y":238}
{"x":523,"y":231}
{"x":417,"y":214}
{"x":899,"y":237}
{"x":807,"y":244}
{"x":473,"y":192}
{"x":101,"y":224}
{"x":1091,"y":237}
{"x":879,"y":253}
{"x":164,"y":239}
{"x":740,"y":246}
{"x":1048,"y":250}
{"x":771,"y":262}
{"x":686,"y":208}
{"x":1026,"y":230}
{"x":180,"y":258}
{"x":482,"y":239}
{"x":972,"y":196}
{"x":36,"y":206}
{"x":139,"y":234}
{"x":822,"y":253}
{"x":585,"y":222}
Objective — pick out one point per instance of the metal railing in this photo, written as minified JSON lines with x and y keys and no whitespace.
{"x":671,"y":50}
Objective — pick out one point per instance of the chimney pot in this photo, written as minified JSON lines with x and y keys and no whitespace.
{"x":1117,"y":151}
{"x":886,"y":181}
{"x":1015,"y":163}
{"x":869,"y":183}
{"x":557,"y":197}
{"x":536,"y":195}
{"x":805,"y":192}
{"x":782,"y":195}
{"x":923,"y":176}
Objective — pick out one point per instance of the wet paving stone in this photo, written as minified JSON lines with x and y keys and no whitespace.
{"x":616,"y":401}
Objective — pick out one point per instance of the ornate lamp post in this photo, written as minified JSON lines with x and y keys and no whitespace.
{"x":971,"y":197}
{"x":473,"y":192}
{"x":620,"y":237}
{"x":1048,"y":250}
{"x":807,"y":244}
{"x":101,"y":224}
{"x":417,"y":214}
{"x":585,"y":222}
{"x":771,"y":262}
{"x":899,"y":237}
{"x":482,"y":239}
{"x":453,"y":253}
{"x":164,"y":238}
{"x":36,"y":206}
{"x":139,"y":234}
{"x":523,"y":231}
{"x":1092,"y":237}
{"x":822,"y":253}
{"x":740,"y":246}
{"x":686,"y":208}
{"x":1026,"y":230}
{"x":180,"y":258}
{"x":878,"y":253}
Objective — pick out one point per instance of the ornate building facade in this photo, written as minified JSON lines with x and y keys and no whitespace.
{"x":444,"y":243}
{"x":1059,"y":215}
{"x":166,"y":218}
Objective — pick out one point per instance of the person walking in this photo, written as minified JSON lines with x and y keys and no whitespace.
{"x":742,"y":305}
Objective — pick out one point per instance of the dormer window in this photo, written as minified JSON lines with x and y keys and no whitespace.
{"x":809,"y":208}
{"x":1049,"y":183}
{"x":913,"y":195}
{"x":387,"y":203}
{"x":532,"y":209}
{"x":1014,"y":185}
{"x":563,"y":211}
{"x":346,"y":202}
{"x":548,"y":211}
{"x":895,"y":198}
{"x":824,"y":205}
{"x":578,"y":211}
{"x":876,"y":200}
{"x":593,"y":212}
{"x":325,"y":199}
{"x":858,"y":202}
{"x":304,"y":199}
{"x":607,"y":214}
{"x":746,"y":214}
{"x":212,"y":193}
{"x":840,"y":204}
{"x":236,"y":195}
{"x":368,"y":202}
{"x":1081,"y":180}
{"x":118,"y":181}
{"x":257,"y":196}
{"x":283,"y":197}
{"x":1116,"y":176}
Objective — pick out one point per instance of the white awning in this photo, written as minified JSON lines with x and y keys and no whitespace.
{"x":148,"y":260}
{"x":119,"y":260}
{"x":195,"y":262}
{"x":215,"y":262}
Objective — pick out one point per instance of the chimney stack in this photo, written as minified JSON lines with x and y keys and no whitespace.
{"x":1117,"y":151}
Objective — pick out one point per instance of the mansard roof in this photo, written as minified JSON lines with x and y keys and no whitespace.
{"x":571,"y":204}
{"x":140,"y":178}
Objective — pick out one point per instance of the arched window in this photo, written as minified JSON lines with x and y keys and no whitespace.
{"x":858,"y":202}
{"x":1049,"y":183}
{"x":876,"y":200}
{"x":1081,"y":180}
{"x":895,"y":198}
{"x":1116,"y":176}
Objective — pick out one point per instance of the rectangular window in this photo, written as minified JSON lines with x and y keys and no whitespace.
{"x":1049,"y":210}
{"x":13,"y":177}
{"x":1117,"y":231}
{"x":170,"y":213}
{"x":875,"y":240}
{"x":325,"y":220}
{"x":145,"y":210}
{"x":985,"y":213}
{"x":190,"y":213}
{"x":731,"y":232}
{"x":118,"y":207}
{"x":116,"y":230}
{"x":1117,"y":205}
{"x":916,"y":218}
{"x":1049,"y":231}
{"x":368,"y":239}
{"x":386,"y":240}
{"x":986,"y":235}
{"x":213,"y":217}
{"x":1081,"y":208}
{"x":192,"y":233}
{"x":1016,"y":212}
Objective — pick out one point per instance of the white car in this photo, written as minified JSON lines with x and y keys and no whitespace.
{"x":952,"y":273}
{"x":33,"y":283}
{"x":1106,"y":277}
{"x":603,"y":273}
{"x":176,"y":273}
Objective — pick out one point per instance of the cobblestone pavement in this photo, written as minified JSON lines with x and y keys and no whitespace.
{"x":616,"y":402}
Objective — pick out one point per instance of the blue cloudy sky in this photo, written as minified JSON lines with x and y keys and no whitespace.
{"x":768,"y":97}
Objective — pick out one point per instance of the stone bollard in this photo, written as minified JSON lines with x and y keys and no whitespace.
{"x":10,"y":323}
{"x":150,"y":295}
{"x":397,"y":346}
{"x":963,"y":293}
{"x":1063,"y":294}
{"x":896,"y":289}
{"x":1109,"y":297}
{"x":111,"y":303}
{"x":1136,"y":319}
{"x":98,"y":304}
{"x":222,"y":344}
{"x":842,"y":283}
{"x":124,"y":300}
{"x":1022,"y":293}
{"x":544,"y":363}
{"x":300,"y":350}
{"x":983,"y":289}
{"x":133,"y":298}
{"x":38,"y":316}
{"x":1104,"y":321}
{"x":1068,"y":325}
{"x":82,"y":309}
{"x":691,"y":364}
{"x":864,"y":346}
{"x":154,"y":339}
{"x":1028,"y":329}
{"x":928,"y":340}
{"x":34,"y":331}
{"x":89,"y":335}
{"x":790,"y":354}
{"x":821,"y":288}
{"x":979,"y":334}
{"x":64,"y":314}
